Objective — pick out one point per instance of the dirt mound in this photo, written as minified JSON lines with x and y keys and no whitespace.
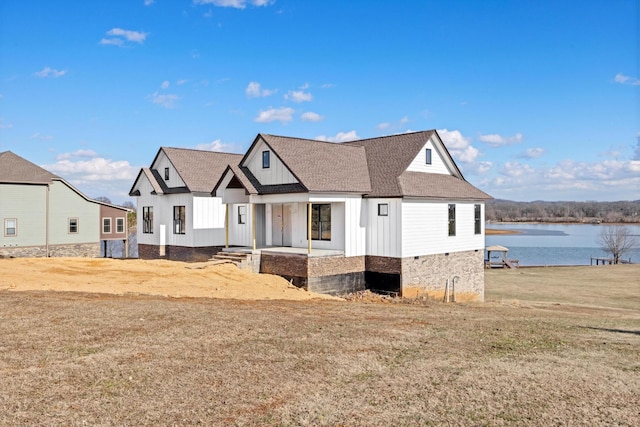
{"x":151,"y":277}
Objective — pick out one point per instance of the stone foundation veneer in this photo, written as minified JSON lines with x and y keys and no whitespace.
{"x":334,"y":275}
{"x":85,"y":250}
{"x":428,"y":275}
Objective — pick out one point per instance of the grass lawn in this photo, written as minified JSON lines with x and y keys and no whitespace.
{"x":551,"y":346}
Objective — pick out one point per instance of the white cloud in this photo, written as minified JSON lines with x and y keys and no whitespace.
{"x":254,"y":90}
{"x":327,"y":85}
{"x":181,"y":82}
{"x":238,"y":4}
{"x":311,"y":117}
{"x":94,"y":169}
{"x":495,"y":140}
{"x":459,"y":146}
{"x":5,"y":125}
{"x":404,"y":120}
{"x":149,"y":2}
{"x":37,"y":135}
{"x":165,"y":84}
{"x":50,"y":72}
{"x":167,"y":101}
{"x":626,"y":80}
{"x":340,"y":137}
{"x":119,"y":36}
{"x":215,"y":145}
{"x":283,"y":115}
{"x":77,"y":154}
{"x":532,"y":153}
{"x":383,"y":126}
{"x":298,"y":96}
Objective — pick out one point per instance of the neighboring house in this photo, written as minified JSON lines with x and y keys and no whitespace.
{"x":391,"y":213}
{"x":177,"y":216}
{"x":43,"y":215}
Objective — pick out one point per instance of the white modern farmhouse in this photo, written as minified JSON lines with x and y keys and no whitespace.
{"x":391,"y":213}
{"x":44,"y":216}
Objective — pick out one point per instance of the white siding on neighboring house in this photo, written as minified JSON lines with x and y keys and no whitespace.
{"x":425,"y":228}
{"x":27,"y":205}
{"x":163,"y":162}
{"x":277,"y":173}
{"x":384,"y":233}
{"x":64,"y":203}
{"x":419,"y":164}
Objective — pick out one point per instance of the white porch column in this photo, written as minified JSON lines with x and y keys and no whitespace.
{"x":226,"y":226}
{"x":253,"y":226}
{"x":309,"y":227}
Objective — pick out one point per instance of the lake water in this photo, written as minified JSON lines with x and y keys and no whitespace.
{"x":555,"y":244}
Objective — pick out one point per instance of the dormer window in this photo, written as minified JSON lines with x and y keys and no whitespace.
{"x":428,"y":156}
{"x":166,"y":174}
{"x":266,"y":159}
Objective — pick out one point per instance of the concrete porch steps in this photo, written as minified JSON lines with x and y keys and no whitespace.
{"x":241,"y":260}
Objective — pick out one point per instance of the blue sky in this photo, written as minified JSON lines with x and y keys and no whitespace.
{"x":536,"y":100}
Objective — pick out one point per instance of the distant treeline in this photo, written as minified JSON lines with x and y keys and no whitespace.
{"x":540,"y":211}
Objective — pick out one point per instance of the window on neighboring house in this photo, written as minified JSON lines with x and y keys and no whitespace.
{"x":266,"y":160}
{"x":179,"y":225}
{"x":120,"y":225}
{"x":452,"y":220}
{"x":320,"y":222}
{"x":383,"y":209}
{"x":106,"y":225}
{"x":428,"y":156}
{"x":147,"y":219}
{"x":166,"y":174}
{"x":242,"y":214}
{"x":73,"y":225}
{"x":477,"y":218}
{"x":10,"y":227}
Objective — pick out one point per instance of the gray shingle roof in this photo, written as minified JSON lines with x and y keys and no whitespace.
{"x":438,"y":186}
{"x":14,"y":168}
{"x":323,"y":166}
{"x":200,"y":170}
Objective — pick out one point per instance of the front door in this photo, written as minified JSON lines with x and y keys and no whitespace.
{"x":281,"y":228}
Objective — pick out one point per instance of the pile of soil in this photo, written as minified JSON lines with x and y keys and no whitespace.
{"x":149,"y":277}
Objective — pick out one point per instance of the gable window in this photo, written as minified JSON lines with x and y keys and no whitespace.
{"x":147,"y":219}
{"x":166,"y":174}
{"x":242,"y":214}
{"x":179,"y":226}
{"x":120,"y":225}
{"x":320,"y":221}
{"x":73,"y":225}
{"x":10,"y":227}
{"x":266,"y":160}
{"x":106,"y":225}
{"x":428,"y":156}
{"x":477,"y":219}
{"x":383,"y":209}
{"x":452,"y":220}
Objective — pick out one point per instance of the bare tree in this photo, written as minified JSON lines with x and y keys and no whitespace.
{"x":617,"y":240}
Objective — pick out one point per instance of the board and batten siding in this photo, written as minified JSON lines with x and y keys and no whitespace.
{"x":355,"y":239}
{"x":384,"y":233}
{"x":26,"y":204}
{"x":239,"y":234}
{"x":147,"y":199}
{"x":419,"y":163}
{"x":65,"y":203}
{"x":276,"y":173}
{"x":163,"y":162}
{"x":425,"y":228}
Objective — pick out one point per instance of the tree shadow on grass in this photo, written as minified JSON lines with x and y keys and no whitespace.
{"x":619,"y":331}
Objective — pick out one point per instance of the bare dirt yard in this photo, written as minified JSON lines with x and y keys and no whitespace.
{"x":550,"y":346}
